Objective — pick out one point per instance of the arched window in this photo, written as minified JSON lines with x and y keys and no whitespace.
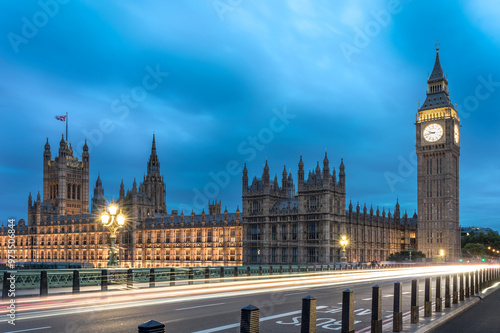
{"x":78,"y":192}
{"x":73,"y":195}
{"x":69,"y":191}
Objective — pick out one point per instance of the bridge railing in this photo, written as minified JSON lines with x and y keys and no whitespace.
{"x":45,"y":281}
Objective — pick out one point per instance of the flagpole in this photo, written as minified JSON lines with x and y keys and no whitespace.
{"x":67,"y":127}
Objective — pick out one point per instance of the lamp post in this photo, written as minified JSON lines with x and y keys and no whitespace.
{"x":409,"y":249}
{"x":113,"y":220}
{"x":441,"y":252}
{"x":343,"y":243}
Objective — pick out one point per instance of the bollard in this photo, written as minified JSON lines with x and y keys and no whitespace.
{"x":152,"y":326}
{"x":6,"y":285}
{"x":461,"y":294}
{"x":249,"y":319}
{"x":152,"y":278}
{"x":414,"y":301}
{"x":307,"y":268}
{"x":260,"y":270}
{"x":427,"y":298}
{"x":190,"y":275}
{"x":347,"y":311}
{"x":235,"y":272}
{"x":397,"y":312}
{"x":270,"y":270}
{"x":376,"y":309}
{"x":130,"y":278}
{"x":104,"y":280}
{"x":467,"y":285}
{"x":207,"y":274}
{"x":44,"y":285}
{"x":308,"y":321}
{"x":76,"y":281}
{"x":281,"y":270}
{"x":439,"y":301}
{"x":248,"y":271}
{"x":455,"y":288}
{"x":222,"y":274}
{"x":290,"y":269}
{"x":172,"y":276}
{"x":476,"y":284}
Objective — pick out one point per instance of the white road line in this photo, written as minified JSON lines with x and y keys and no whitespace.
{"x":300,"y":292}
{"x":199,"y":306}
{"x":366,"y":299}
{"x":388,"y":296}
{"x":221,"y":328}
{"x":407,"y":292}
{"x":31,"y":329}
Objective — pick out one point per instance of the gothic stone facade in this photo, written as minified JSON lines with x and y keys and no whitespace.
{"x":438,"y":152}
{"x":281,"y":227}
{"x":61,"y":229}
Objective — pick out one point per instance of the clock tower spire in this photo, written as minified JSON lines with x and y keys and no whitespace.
{"x":438,"y":151}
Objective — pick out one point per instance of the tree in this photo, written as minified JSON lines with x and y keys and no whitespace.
{"x":404,"y":255}
{"x":474,"y":249}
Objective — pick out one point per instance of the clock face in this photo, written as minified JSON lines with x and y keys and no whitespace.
{"x":433,"y":132}
{"x":457,"y":134}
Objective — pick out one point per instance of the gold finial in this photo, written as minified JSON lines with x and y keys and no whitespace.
{"x":437,"y":44}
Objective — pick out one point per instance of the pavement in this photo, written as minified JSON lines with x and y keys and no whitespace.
{"x":482,"y":317}
{"x":478,"y":313}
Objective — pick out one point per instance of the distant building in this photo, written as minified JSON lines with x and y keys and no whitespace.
{"x":466,"y":231}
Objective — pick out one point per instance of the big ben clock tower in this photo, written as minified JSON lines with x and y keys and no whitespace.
{"x":438,"y":151}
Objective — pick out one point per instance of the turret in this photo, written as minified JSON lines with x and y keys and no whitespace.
{"x":284,"y":180}
{"x":245,"y":180}
{"x":265,"y":176}
{"x":122,"y":190}
{"x":342,"y":173}
{"x":301,"y":172}
{"x":326,"y":170}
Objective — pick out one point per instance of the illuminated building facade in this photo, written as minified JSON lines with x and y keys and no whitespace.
{"x":438,"y":152}
{"x":284,"y":227}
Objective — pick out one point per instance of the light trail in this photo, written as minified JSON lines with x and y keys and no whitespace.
{"x":30,"y":308}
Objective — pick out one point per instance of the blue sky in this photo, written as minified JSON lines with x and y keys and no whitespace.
{"x":284,"y":77}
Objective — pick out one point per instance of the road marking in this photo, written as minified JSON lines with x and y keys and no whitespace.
{"x":300,"y":292}
{"x":366,"y":299}
{"x":407,"y":292}
{"x":388,"y":296}
{"x":221,"y":328}
{"x":199,"y":306}
{"x":30,"y":329}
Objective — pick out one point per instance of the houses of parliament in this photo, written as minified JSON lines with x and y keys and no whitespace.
{"x":280,"y":222}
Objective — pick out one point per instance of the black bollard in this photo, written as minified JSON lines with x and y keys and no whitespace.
{"x":6,"y":284}
{"x":427,"y":298}
{"x":44,"y":284}
{"x":376,"y":309}
{"x":455,"y":288}
{"x":439,"y":301}
{"x":347,"y":311}
{"x":308,"y":321}
{"x":397,"y":312}
{"x":414,"y":301}
{"x":249,"y":319}
{"x":467,"y":285}
{"x":151,"y":326}
{"x":462,"y":291}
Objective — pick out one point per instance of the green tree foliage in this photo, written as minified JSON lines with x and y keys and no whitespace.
{"x":405,"y":255}
{"x":474,"y":249}
{"x":477,"y":245}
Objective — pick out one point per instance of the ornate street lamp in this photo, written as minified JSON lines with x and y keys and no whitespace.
{"x":343,"y":243}
{"x":441,"y":253}
{"x":113,"y":220}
